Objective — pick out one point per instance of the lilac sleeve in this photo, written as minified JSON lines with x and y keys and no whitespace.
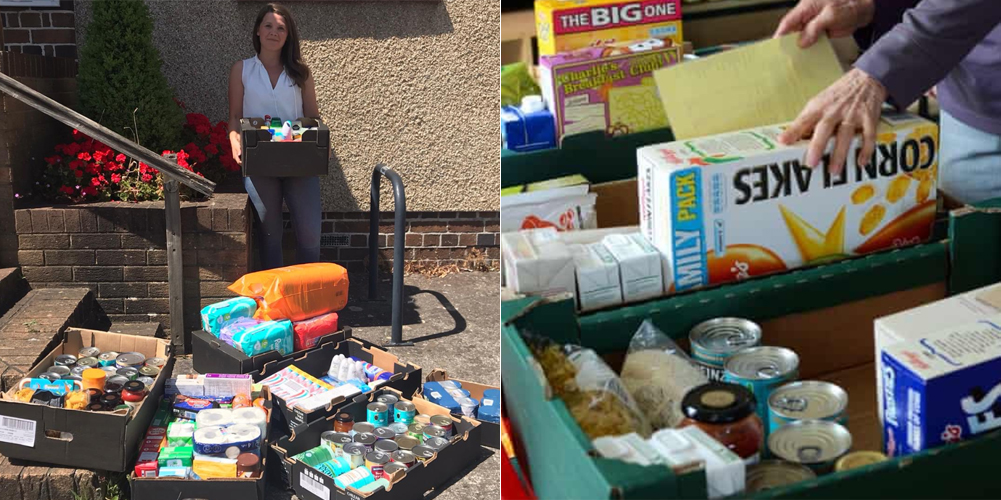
{"x":933,"y":38}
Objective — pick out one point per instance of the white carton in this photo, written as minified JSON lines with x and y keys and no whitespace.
{"x":918,"y":322}
{"x":680,"y":447}
{"x":640,"y":266}
{"x":537,"y":262}
{"x":597,"y":277}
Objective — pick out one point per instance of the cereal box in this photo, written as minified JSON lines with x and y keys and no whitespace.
{"x":942,"y":388}
{"x":563,"y":25}
{"x":606,"y":88}
{"x":737,"y":205}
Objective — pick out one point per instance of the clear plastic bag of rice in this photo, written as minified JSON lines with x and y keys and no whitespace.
{"x":657,"y":373}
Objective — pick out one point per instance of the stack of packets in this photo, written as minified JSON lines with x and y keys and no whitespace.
{"x":564,"y":203}
{"x":368,"y":455}
{"x":451,"y":395}
{"x":346,"y":377}
{"x":206,"y":427}
{"x":232,"y":321}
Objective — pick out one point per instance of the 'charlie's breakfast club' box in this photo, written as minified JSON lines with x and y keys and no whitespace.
{"x":609,"y":88}
{"x":736,"y":205}
{"x":562,"y":25}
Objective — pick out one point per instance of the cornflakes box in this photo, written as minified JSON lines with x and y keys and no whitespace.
{"x":607,"y":88}
{"x":736,"y":205}
{"x":563,"y":25}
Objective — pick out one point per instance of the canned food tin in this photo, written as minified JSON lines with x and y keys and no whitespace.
{"x":128,"y":372}
{"x":366,"y":439}
{"x":376,"y":462}
{"x":115,"y":383}
{"x":816,"y":444}
{"x":147,"y":381}
{"x":149,"y":371}
{"x":72,"y":377}
{"x":807,"y":400}
{"x":404,"y":457}
{"x":762,"y":369}
{"x":89,"y":362}
{"x":50,"y":376}
{"x":386,"y":446}
{"x":362,"y":428}
{"x":110,"y":370}
{"x":404,"y":412}
{"x":385,"y":433}
{"x":378,"y":414}
{"x":436,"y":443}
{"x":422,"y":418}
{"x":156,"y":362}
{"x":135,"y":359}
{"x":423,"y":453}
{"x":65,"y":360}
{"x":769,"y":474}
{"x":393,"y":468}
{"x":61,"y":370}
{"x":77,"y":370}
{"x":107,"y":358}
{"x":432,"y":431}
{"x":399,"y":428}
{"x":416,"y":431}
{"x":858,"y":459}
{"x":388,"y":399}
{"x":89,"y":352}
{"x":407,"y":443}
{"x":443,"y":421}
{"x":355,"y":453}
{"x":715,"y":340}
{"x":336,"y":441}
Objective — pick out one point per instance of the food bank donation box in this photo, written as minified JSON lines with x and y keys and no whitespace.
{"x":279,"y":147}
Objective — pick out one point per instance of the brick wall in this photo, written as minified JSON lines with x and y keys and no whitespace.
{"x":27,"y":135}
{"x":119,"y":251}
{"x":432,"y":238}
{"x":44,"y":31}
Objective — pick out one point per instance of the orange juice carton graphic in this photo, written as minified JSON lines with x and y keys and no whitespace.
{"x":731,"y":206}
{"x":562,"y":25}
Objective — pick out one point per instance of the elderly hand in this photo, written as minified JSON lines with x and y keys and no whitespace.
{"x":849,"y":104}
{"x":837,"y":18}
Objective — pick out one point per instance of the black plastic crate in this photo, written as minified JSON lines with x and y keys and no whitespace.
{"x":285,"y":159}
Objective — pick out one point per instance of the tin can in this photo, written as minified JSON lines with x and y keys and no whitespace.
{"x":376,"y":462}
{"x":128,"y":372}
{"x":762,"y":369}
{"x":72,"y":377}
{"x":386,"y":446}
{"x":416,"y":431}
{"x":443,"y":421}
{"x":149,"y":371}
{"x":77,"y":370}
{"x":336,"y":441}
{"x":89,"y":362}
{"x":50,"y":376}
{"x":110,"y":370}
{"x":355,"y":453}
{"x":816,"y":444}
{"x":436,"y":443}
{"x":407,"y":443}
{"x":404,"y":457}
{"x":858,"y":459}
{"x":89,"y":352}
{"x":107,"y":358}
{"x":715,"y":340}
{"x":61,"y":370}
{"x":66,"y":360}
{"x":434,"y":431}
{"x":393,"y":468}
{"x":115,"y":384}
{"x":133,"y":359}
{"x":404,"y":412}
{"x":362,"y":428}
{"x":155,"y":362}
{"x":807,"y":400}
{"x":384,"y":433}
{"x":423,"y":453}
{"x":147,"y":381}
{"x":377,"y":414}
{"x":422,"y":418}
{"x":367,"y":440}
{"x":769,"y":474}
{"x":389,"y":400}
{"x":399,"y":428}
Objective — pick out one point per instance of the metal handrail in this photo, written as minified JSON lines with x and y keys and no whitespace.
{"x":400,"y":231}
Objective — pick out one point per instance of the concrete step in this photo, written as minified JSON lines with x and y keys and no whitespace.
{"x":35,"y":324}
{"x":22,"y":480}
{"x":13,"y":286}
{"x":150,"y":329}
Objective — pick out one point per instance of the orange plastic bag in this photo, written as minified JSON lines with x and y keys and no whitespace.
{"x":295,"y":292}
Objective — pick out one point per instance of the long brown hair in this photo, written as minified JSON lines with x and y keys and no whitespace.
{"x":295,"y":67}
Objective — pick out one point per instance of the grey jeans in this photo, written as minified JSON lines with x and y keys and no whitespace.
{"x":969,"y":161}
{"x":302,"y":195}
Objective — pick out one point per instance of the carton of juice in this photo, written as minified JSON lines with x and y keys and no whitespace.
{"x":736,"y":205}
{"x":562,"y":25}
{"x":608,"y":88}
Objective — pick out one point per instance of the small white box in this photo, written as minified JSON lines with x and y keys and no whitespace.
{"x":537,"y":262}
{"x":597,"y":277}
{"x":725,"y":474}
{"x":640,"y":266}
{"x":918,"y":322}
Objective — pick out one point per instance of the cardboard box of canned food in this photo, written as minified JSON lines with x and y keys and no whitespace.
{"x":102,"y":440}
{"x":824,"y":314}
{"x":436,"y":469}
{"x":406,"y":377}
{"x":211,"y":355}
{"x":490,"y":430}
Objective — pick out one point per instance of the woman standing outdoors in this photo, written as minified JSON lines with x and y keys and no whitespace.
{"x":278,"y":83}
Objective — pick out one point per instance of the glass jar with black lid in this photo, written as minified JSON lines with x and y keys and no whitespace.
{"x":727,"y":413}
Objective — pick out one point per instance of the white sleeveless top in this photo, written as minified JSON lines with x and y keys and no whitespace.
{"x":283,"y":101}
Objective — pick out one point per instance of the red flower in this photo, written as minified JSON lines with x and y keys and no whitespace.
{"x":89,"y":191}
{"x":51,"y":160}
{"x":78,"y":174}
{"x":66,"y":190}
{"x":147,"y":177}
{"x":115,"y":178}
{"x":212,"y":149}
{"x":71,"y":149}
{"x":94,"y":181}
{"x":202,"y":129}
{"x":143,"y":168}
{"x":99,"y":156}
{"x":120,"y":158}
